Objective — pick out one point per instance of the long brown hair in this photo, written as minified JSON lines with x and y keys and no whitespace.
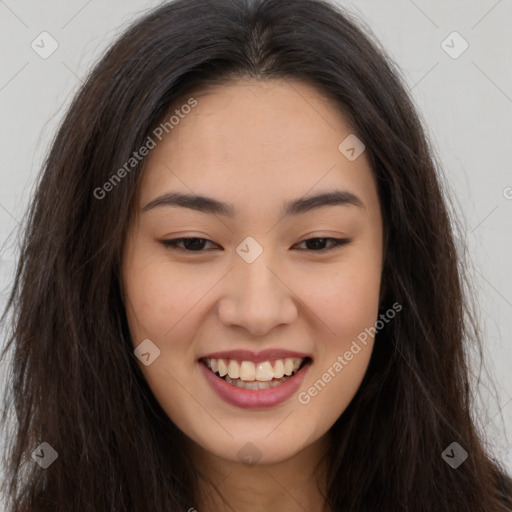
{"x":74,"y":382}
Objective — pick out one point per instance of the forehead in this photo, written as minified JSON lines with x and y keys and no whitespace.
{"x":273,"y":118}
{"x":251,"y":142}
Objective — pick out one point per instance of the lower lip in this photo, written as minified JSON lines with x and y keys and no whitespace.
{"x":254,"y":398}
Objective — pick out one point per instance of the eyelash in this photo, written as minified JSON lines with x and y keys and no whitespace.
{"x":337,"y":243}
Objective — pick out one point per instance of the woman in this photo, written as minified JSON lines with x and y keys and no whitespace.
{"x":310,"y":352}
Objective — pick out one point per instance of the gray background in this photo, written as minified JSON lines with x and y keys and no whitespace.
{"x":466,"y":104}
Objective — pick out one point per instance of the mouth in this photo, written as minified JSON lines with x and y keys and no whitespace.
{"x":256,"y":375}
{"x":254,"y":384}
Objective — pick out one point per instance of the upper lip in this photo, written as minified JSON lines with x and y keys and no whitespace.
{"x":256,"y":357}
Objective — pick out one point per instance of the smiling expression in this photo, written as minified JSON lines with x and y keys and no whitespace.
{"x":286,"y":256}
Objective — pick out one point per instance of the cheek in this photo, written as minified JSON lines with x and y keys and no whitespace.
{"x":161,"y":293}
{"x":164,"y":305}
{"x":160,"y":307}
{"x":345,"y":299}
{"x":344,"y":296}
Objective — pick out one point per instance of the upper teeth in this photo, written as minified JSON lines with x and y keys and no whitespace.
{"x":249,"y":371}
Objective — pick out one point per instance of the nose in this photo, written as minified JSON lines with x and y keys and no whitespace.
{"x":257,"y":297}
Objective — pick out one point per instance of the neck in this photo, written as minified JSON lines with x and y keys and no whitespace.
{"x":297,"y":483}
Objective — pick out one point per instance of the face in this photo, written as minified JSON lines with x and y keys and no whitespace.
{"x":261,"y":286}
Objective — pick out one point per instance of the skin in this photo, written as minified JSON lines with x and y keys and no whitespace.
{"x":255,"y":145}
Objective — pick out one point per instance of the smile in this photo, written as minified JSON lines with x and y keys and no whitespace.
{"x":250,"y":375}
{"x":250,"y":384}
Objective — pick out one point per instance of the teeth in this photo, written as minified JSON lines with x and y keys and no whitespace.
{"x":233,"y":369}
{"x":264,"y":371}
{"x":278,"y":369}
{"x":223,"y":370}
{"x":288,"y":366}
{"x":255,"y":384}
{"x":247,"y":371}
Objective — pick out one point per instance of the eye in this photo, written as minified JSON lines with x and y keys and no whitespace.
{"x":195,"y":244}
{"x":317,"y":243}
{"x":192,"y":244}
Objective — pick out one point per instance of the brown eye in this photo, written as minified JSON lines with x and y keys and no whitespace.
{"x":196,"y":244}
{"x":318,"y":244}
{"x":193,"y":244}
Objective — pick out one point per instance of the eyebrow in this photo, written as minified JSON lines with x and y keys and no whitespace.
{"x":210,"y":205}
